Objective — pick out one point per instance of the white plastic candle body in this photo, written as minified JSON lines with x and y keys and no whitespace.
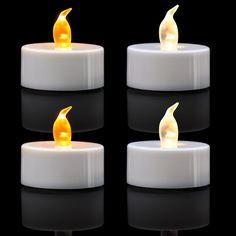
{"x":150,"y":68}
{"x":44,"y":67}
{"x":45,"y":166}
{"x":149,"y":165}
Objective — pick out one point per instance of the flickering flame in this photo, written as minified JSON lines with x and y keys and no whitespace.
{"x":168,"y":128}
{"x":62,"y":129}
{"x":62,"y":31}
{"x":168,"y":31}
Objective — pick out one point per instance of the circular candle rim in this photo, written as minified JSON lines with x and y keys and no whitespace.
{"x":202,"y":146}
{"x":55,"y":148}
{"x":53,"y":49}
{"x":202,"y":48}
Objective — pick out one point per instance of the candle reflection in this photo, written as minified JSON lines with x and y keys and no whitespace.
{"x":62,"y":211}
{"x":146,"y":109}
{"x":66,"y":233}
{"x":169,"y":233}
{"x":168,"y":211}
{"x":40,"y":108}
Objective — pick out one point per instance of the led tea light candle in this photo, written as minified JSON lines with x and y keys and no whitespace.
{"x":62,"y":66}
{"x":62,"y":164}
{"x":168,"y":66}
{"x":168,"y":163}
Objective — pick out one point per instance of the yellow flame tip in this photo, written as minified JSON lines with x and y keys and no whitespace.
{"x":173,"y":10}
{"x":173,"y":107}
{"x":65,"y":110}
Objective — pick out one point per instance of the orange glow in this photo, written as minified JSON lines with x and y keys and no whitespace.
{"x":62,"y":31}
{"x":62,"y":129}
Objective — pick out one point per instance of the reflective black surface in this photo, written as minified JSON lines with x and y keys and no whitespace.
{"x":168,"y":210}
{"x":146,"y":109}
{"x":48,"y":210}
{"x":39,"y":109}
{"x":114,"y":25}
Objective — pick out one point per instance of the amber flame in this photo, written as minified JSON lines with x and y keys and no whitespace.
{"x":168,"y":31}
{"x":62,"y":129}
{"x":62,"y":31}
{"x":168,"y":128}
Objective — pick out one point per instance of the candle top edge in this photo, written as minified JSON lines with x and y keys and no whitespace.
{"x":50,"y":146}
{"x":155,"y":145}
{"x":155,"y":47}
{"x":50,"y":47}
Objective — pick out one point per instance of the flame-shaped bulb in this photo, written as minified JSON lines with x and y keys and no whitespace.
{"x":168,"y":129}
{"x":62,"y":129}
{"x":62,"y":31}
{"x":168,"y":31}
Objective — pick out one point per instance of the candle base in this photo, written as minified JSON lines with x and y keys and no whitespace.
{"x":77,"y":167}
{"x":150,"y":166}
{"x":44,"y":67}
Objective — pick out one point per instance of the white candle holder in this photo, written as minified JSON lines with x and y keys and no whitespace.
{"x":151,"y":166}
{"x":150,"y":68}
{"x":44,"y":165}
{"x":45,"y":67}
